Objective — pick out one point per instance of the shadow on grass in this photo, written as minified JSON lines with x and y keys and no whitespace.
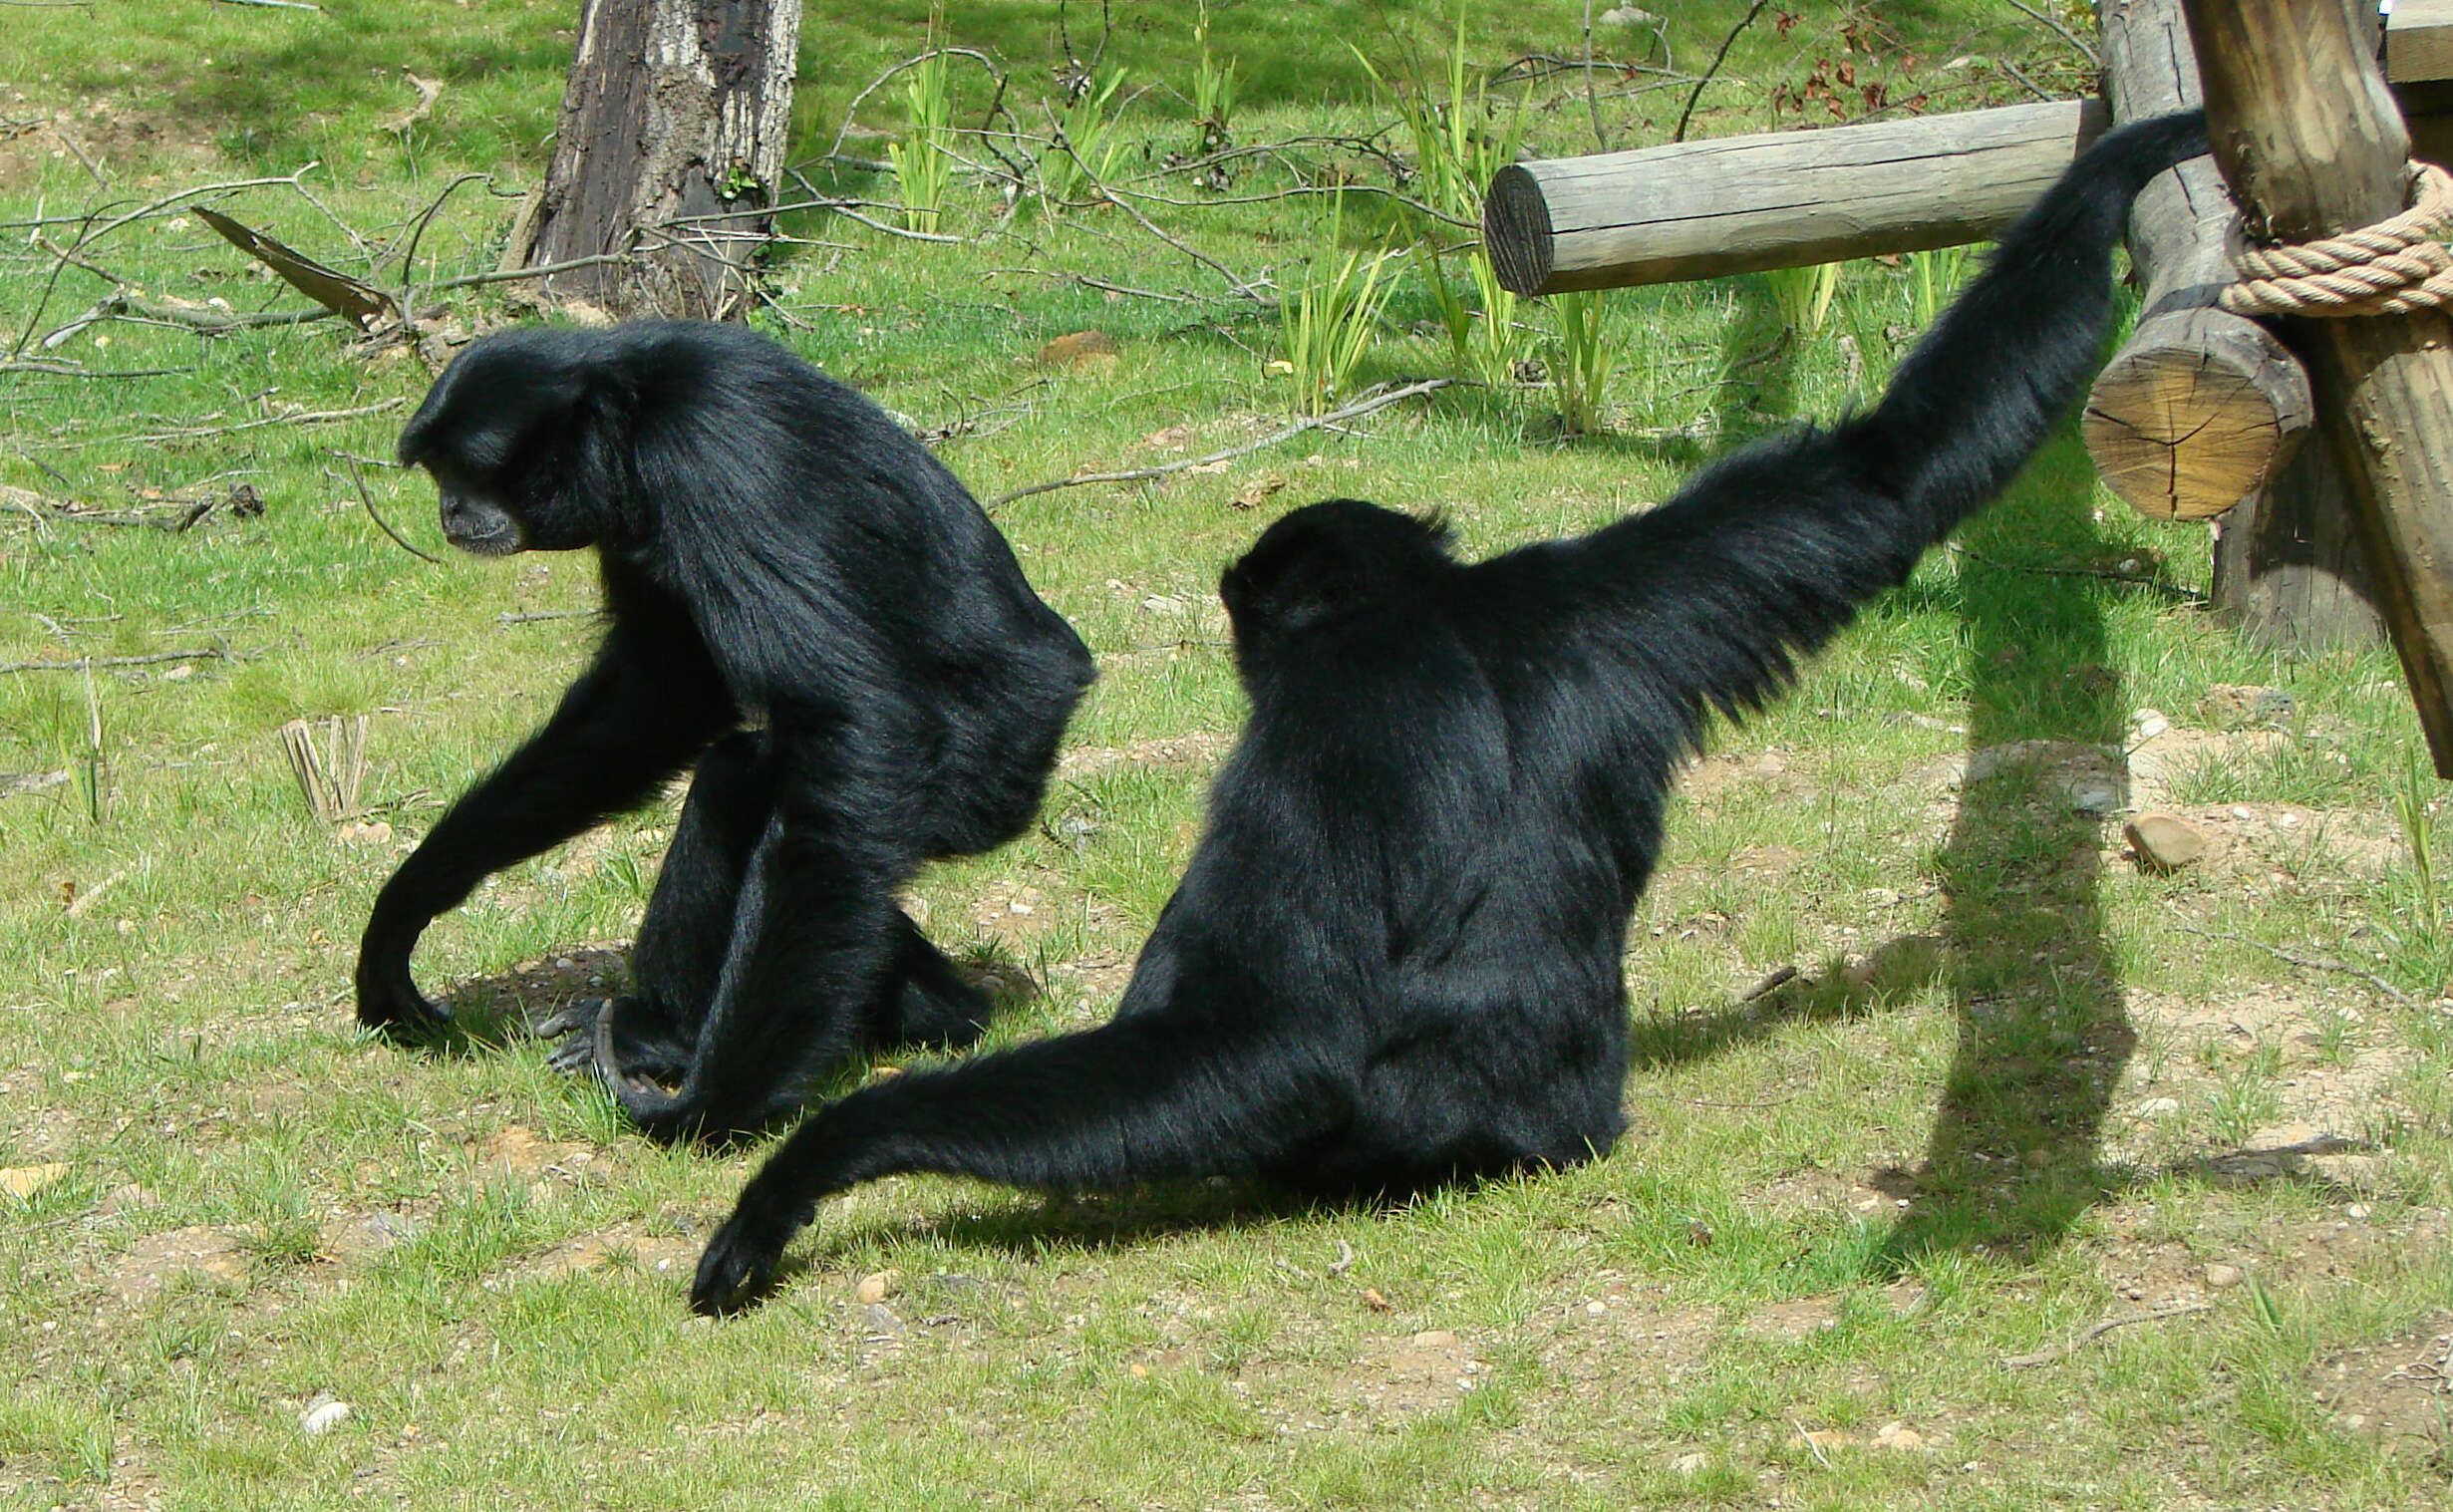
{"x":2044,"y":1031}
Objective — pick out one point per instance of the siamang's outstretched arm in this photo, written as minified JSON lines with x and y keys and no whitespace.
{"x":1145,"y":1097}
{"x":1767,"y":553}
{"x":649,"y":704}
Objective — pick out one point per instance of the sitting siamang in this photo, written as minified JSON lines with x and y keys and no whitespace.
{"x":1394,"y":959}
{"x":807,"y":604}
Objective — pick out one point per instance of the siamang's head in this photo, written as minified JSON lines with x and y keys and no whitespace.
{"x":1324,"y":561}
{"x":510,"y":433}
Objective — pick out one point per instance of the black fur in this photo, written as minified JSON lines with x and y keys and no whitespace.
{"x":1394,"y":959}
{"x":805,"y":602}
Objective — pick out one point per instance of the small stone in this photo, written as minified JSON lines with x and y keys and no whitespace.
{"x":26,"y":1180}
{"x":1434,"y":1338}
{"x":1596,"y":1309}
{"x":2229,"y":706}
{"x":2165,"y":843}
{"x":882,"y":1322}
{"x":1082,"y":349}
{"x":2156,"y":1107}
{"x":1898,"y":1435}
{"x":2222,"y":1278}
{"x":1692,"y":1462}
{"x":322,"y":1416}
{"x":875,"y":1288}
{"x":2146,"y":723}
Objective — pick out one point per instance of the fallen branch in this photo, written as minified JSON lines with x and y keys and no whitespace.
{"x":507,"y":618}
{"x":2093,"y":1331}
{"x":1370,"y":404}
{"x":85,"y":663}
{"x":304,"y":418}
{"x":376,"y":515}
{"x":2310,"y":963}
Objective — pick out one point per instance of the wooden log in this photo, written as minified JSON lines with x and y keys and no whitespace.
{"x":2312,"y":145}
{"x":1779,"y":199}
{"x":2198,"y":406}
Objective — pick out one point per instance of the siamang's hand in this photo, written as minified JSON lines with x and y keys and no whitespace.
{"x":738,"y":1269}
{"x":389,"y":1000}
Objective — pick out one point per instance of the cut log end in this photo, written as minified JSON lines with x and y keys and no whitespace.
{"x":2195,"y":414}
{"x":1516,"y":229}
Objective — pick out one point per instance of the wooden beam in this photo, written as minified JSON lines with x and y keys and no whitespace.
{"x":2199,"y":407}
{"x":2312,"y":145}
{"x":1779,"y":199}
{"x":2419,"y":41}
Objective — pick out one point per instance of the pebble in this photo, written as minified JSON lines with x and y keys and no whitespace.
{"x":322,"y":1416}
{"x":2165,"y":843}
{"x":2222,"y":1278}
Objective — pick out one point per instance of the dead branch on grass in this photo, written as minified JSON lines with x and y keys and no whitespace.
{"x":2304,"y":961}
{"x":90,"y":663}
{"x":1369,"y":404}
{"x":368,"y":499}
{"x":2088,"y":1335}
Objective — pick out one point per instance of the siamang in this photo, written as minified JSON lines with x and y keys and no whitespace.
{"x":1394,"y":960}
{"x":804,"y":601}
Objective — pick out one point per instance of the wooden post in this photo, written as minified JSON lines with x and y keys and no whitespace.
{"x":2312,"y":145}
{"x":1779,"y":199}
{"x":2198,"y":406}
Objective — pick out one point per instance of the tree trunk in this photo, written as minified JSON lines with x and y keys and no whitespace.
{"x":668,"y":156}
{"x":2311,"y":146}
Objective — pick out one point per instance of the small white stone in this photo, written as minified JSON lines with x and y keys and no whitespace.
{"x":322,"y":1416}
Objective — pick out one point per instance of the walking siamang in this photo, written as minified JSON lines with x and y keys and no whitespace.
{"x":806,"y":603}
{"x":1394,"y":959}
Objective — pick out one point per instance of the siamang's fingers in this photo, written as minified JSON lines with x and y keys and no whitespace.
{"x":578,"y":1019}
{"x":738,"y":1270}
{"x":575,"y":1057}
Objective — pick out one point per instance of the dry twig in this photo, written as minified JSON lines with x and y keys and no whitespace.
{"x":1369,"y":404}
{"x":2088,"y":1334}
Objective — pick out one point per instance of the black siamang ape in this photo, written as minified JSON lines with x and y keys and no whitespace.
{"x":807,"y":604}
{"x":1394,"y":959}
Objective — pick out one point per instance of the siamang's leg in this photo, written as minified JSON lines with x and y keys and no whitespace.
{"x":1144,"y":1097}
{"x":648,"y":704}
{"x":930,"y":1003}
{"x":691,"y":916}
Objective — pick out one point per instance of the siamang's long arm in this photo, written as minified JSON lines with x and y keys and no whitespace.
{"x":646,"y":706}
{"x":1766,"y":555}
{"x":1144,"y":1097}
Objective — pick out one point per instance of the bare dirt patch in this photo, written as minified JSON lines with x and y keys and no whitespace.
{"x":154,"y":1261}
{"x":2399,"y":1389}
{"x":627,"y":1246}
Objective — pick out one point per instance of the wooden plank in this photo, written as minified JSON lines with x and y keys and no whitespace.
{"x":2419,"y":41}
{"x":1740,"y":204}
{"x":2312,"y":145}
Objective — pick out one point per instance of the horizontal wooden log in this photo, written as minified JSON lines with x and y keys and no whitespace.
{"x":2199,"y":407}
{"x":1780,"y":200}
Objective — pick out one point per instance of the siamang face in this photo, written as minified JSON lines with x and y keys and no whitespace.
{"x":502,"y":433}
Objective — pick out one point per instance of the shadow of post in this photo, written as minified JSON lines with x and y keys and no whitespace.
{"x":2043,"y":1033}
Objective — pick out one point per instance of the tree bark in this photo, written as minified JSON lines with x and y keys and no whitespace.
{"x":671,"y":143}
{"x":2312,"y":145}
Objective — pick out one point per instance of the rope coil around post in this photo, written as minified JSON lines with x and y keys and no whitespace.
{"x":2391,"y":268}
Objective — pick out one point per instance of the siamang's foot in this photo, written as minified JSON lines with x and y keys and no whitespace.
{"x":391,"y":1005}
{"x":739,"y":1267}
{"x":623,"y":1037}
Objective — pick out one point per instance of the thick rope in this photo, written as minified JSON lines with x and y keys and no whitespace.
{"x":2391,"y":268}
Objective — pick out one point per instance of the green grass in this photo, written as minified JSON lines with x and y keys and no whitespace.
{"x":1838,"y":1206}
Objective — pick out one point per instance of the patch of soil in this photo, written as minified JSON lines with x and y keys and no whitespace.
{"x":154,"y":1261}
{"x":1422,"y":1372}
{"x":626,"y":1246}
{"x":1199,"y":748}
{"x":536,"y":990}
{"x":517,"y":1153}
{"x":110,"y":133}
{"x":355,"y":1238}
{"x":2399,"y":1389}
